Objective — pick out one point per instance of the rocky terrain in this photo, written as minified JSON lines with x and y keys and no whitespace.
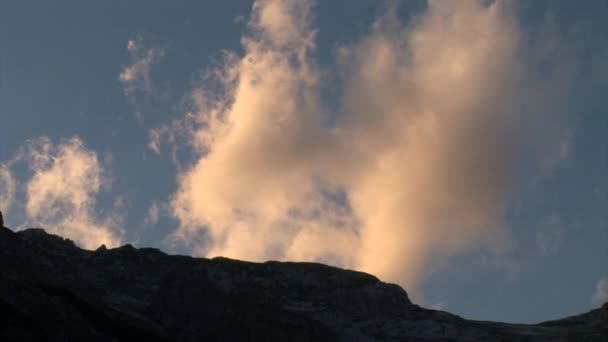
{"x":51,"y":290}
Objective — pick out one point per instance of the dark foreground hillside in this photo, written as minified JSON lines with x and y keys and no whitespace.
{"x":51,"y":290}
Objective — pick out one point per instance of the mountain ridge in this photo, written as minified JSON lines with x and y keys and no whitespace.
{"x":53,"y":290}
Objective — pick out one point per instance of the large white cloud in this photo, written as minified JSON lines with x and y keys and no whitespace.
{"x":419,"y":163}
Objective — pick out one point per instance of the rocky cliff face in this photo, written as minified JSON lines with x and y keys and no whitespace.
{"x":51,"y":290}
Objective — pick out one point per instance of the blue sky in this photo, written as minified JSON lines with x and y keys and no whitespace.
{"x":456,"y":148}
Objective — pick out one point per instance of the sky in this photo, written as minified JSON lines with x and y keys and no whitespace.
{"x":456,"y":148}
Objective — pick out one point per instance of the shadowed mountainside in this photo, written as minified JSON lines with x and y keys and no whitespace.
{"x":54,"y":291}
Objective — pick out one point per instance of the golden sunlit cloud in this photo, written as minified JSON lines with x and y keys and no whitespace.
{"x":60,"y":196}
{"x":420,"y":162}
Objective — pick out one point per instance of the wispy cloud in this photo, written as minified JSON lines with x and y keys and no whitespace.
{"x":550,"y":235}
{"x":61,"y":194}
{"x":438,"y":306}
{"x":8,"y":186}
{"x":419,"y":164}
{"x":154,"y":213}
{"x":136,"y":76}
{"x":600,"y":295}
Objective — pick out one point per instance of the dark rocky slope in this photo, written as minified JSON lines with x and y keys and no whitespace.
{"x":51,"y":290}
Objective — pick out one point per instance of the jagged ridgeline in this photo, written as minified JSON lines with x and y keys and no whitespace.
{"x":51,"y":290}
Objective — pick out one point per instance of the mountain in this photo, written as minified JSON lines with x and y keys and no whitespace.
{"x":51,"y":290}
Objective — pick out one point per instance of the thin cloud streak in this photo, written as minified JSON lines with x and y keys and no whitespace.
{"x":136,"y":77}
{"x":8,"y":186}
{"x":550,"y":236}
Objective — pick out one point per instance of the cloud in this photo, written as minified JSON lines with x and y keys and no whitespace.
{"x":135,"y":77}
{"x":601,"y":292}
{"x":441,"y":306}
{"x":550,"y":236}
{"x":8,"y":186}
{"x":428,"y":113}
{"x":276,"y":203}
{"x":154,"y":212}
{"x":418,"y":164}
{"x":61,"y":194}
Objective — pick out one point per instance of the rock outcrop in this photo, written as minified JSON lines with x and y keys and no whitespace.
{"x":51,"y":290}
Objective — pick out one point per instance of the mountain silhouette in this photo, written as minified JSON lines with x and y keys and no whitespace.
{"x":51,"y":290}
